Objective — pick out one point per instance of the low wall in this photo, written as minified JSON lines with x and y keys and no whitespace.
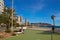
{"x":20,"y":27}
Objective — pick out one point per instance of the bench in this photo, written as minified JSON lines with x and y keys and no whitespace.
{"x":16,"y":33}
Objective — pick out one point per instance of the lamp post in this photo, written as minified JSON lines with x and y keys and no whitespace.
{"x":53,"y":27}
{"x":12,"y":18}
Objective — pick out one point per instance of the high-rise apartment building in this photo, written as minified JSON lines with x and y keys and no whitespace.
{"x":26,"y":22}
{"x":1,"y":6}
{"x":19,"y":20}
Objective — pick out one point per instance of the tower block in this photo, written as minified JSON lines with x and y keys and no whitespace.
{"x":26,"y":22}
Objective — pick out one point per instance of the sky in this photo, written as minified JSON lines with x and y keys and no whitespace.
{"x":37,"y":11}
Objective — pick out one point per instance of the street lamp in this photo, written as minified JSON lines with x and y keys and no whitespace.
{"x":53,"y":27}
{"x":12,"y":18}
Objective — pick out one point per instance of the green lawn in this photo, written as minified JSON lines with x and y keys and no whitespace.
{"x":34,"y":35}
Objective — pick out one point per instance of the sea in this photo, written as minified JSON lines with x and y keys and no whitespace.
{"x":50,"y":26}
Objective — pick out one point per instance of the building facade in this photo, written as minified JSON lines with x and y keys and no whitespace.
{"x":26,"y":22}
{"x":19,"y":20}
{"x":1,"y":6}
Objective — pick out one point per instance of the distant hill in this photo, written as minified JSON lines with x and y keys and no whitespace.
{"x":41,"y":24}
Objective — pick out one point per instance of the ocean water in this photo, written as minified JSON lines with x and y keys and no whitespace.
{"x":51,"y":26}
{"x":57,"y":26}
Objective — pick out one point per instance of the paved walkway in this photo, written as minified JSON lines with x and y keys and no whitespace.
{"x":46,"y":29}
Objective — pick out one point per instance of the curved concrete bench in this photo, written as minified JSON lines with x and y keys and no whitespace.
{"x":17,"y":32}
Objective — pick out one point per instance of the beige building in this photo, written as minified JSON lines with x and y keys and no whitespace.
{"x":1,"y":6}
{"x":26,"y":22}
{"x":19,"y":20}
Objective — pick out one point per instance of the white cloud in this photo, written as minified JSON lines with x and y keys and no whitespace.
{"x":34,"y":7}
{"x":57,"y":16}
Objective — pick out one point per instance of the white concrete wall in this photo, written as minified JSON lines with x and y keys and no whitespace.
{"x":20,"y":27}
{"x":1,"y":6}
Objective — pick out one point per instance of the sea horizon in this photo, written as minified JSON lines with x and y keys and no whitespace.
{"x":49,"y":26}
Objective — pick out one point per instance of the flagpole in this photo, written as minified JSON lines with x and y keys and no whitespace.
{"x":12,"y":18}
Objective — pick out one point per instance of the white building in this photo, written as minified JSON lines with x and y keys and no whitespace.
{"x":26,"y":22}
{"x":19,"y":20}
{"x":1,"y":6}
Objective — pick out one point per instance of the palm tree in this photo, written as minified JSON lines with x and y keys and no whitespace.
{"x":4,"y":19}
{"x":8,"y":11}
{"x":52,"y":17}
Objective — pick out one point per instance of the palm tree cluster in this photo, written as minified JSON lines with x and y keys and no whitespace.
{"x":6,"y":18}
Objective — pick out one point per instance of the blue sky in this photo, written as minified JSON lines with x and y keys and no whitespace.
{"x":37,"y":10}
